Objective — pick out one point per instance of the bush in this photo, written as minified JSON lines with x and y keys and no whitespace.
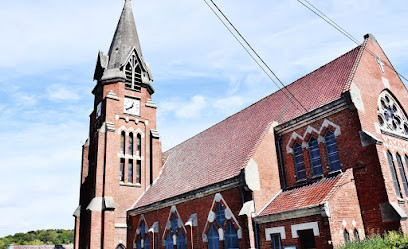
{"x":391,"y":240}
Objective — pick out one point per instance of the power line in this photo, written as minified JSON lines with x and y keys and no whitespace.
{"x":253,"y":50}
{"x":332,"y":23}
{"x":246,"y":49}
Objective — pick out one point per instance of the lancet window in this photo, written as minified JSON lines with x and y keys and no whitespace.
{"x":133,"y":73}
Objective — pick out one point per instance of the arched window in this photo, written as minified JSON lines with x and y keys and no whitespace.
{"x":346,"y":236}
{"x":130,"y":171}
{"x":356,"y":235}
{"x":213,"y":238}
{"x":139,"y":145}
{"x":331,"y":149}
{"x":219,"y":215}
{"x":138,"y":171}
{"x":122,"y":142}
{"x":147,"y":242}
{"x":299,"y":163}
{"x":174,"y":224}
{"x":394,"y":175}
{"x":231,"y":236}
{"x":315,"y":160}
{"x":142,"y":237}
{"x":122,"y":170}
{"x":402,"y":173}
{"x":133,"y":73}
{"x":130,"y":144}
{"x":181,"y":240}
{"x":169,"y":241}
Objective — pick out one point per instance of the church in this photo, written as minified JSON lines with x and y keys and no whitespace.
{"x":316,"y":164}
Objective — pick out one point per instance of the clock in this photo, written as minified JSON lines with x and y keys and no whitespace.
{"x":132,"y":106}
{"x":99,"y":110}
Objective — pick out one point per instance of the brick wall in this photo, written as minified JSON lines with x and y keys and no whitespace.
{"x":201,"y":207}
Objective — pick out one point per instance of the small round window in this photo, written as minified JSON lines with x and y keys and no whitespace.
{"x":391,"y":117}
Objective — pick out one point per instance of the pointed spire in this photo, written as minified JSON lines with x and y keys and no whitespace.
{"x":125,"y":38}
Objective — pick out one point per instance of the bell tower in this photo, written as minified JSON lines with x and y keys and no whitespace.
{"x":122,"y":155}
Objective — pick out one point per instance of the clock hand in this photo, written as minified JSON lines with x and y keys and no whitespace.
{"x":130,"y":107}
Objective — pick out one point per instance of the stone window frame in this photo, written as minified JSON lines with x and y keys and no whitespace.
{"x":138,"y":232}
{"x":305,"y":226}
{"x":320,"y":136}
{"x":392,"y":118}
{"x":133,"y":70}
{"x":180,"y":227}
{"x":229,"y":216}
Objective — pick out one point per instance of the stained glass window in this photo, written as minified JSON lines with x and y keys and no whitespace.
{"x":299,"y":163}
{"x":315,"y":160}
{"x":331,"y":149}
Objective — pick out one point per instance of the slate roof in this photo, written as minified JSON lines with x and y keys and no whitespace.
{"x":223,"y":150}
{"x":308,"y":196}
{"x":125,"y":38}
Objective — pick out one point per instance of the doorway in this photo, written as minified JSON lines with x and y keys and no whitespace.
{"x":306,"y":239}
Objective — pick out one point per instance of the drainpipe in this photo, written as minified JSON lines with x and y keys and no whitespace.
{"x":281,"y":161}
{"x":256,"y":235}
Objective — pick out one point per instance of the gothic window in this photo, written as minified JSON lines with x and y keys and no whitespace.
{"x":299,"y":163}
{"x":130,"y":144}
{"x":394,"y":175}
{"x":138,"y":171}
{"x":219,"y":214}
{"x":213,"y":238}
{"x":356,"y":235}
{"x":130,"y":171}
{"x":331,"y":149}
{"x":175,"y":233}
{"x":315,"y":160}
{"x":346,"y":236}
{"x":142,"y":236}
{"x":391,"y":117}
{"x":276,"y":241}
{"x":402,"y":173}
{"x":169,"y":241}
{"x":221,"y":226}
{"x":181,"y":241}
{"x":133,"y":73}
{"x":122,"y":142}
{"x":122,"y":170}
{"x":231,"y":236}
{"x":138,"y":145}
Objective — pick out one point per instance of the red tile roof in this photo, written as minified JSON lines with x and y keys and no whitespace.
{"x":220,"y":152}
{"x":303,"y":197}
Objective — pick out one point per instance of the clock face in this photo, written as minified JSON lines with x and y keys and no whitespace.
{"x":132,"y":106}
{"x":99,"y":110}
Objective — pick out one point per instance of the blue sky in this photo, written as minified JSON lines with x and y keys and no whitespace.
{"x":202,"y":75}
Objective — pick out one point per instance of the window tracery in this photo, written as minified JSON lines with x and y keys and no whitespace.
{"x":391,"y":116}
{"x":142,"y":235}
{"x":175,"y":232}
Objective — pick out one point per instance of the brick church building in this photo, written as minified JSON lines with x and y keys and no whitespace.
{"x":317,"y":164}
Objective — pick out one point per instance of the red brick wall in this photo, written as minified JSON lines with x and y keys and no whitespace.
{"x":322,"y":241}
{"x":201,"y":207}
{"x":103,"y":177}
{"x":345,"y":210}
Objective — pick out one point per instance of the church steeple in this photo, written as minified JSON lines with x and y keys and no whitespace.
{"x":124,"y":61}
{"x":125,"y":39}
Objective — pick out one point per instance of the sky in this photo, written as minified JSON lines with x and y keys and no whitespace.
{"x":201,"y":76}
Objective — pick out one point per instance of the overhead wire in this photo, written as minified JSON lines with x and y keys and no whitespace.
{"x":246,"y":49}
{"x":256,"y":54}
{"x":332,"y":23}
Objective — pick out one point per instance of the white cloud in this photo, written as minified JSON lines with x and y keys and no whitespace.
{"x":59,"y":92}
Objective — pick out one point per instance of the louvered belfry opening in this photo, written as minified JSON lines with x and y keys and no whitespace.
{"x":133,"y":73}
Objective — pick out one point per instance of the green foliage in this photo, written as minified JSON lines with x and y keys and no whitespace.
{"x":391,"y":240}
{"x":40,"y":237}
